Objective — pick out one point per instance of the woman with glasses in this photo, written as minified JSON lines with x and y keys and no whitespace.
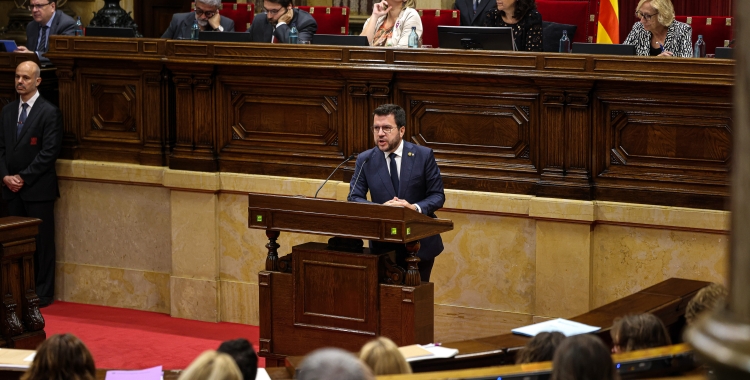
{"x":205,"y":14}
{"x":658,"y":33}
{"x":391,"y":23}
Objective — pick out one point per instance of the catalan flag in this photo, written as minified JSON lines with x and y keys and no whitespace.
{"x":608,"y":31}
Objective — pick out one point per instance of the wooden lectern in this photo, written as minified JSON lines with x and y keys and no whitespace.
{"x":339,"y":294}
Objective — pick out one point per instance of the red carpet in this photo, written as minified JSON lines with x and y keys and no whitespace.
{"x":131,"y":339}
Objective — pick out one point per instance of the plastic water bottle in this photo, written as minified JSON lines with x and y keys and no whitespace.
{"x":293,"y":35}
{"x":565,"y":42}
{"x":79,"y":27}
{"x":413,"y":38}
{"x":700,"y":48}
{"x":195,"y":30}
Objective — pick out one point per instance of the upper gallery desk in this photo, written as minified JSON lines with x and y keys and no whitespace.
{"x":629,"y":129}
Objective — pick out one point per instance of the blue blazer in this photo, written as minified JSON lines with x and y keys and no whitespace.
{"x":419,"y":182}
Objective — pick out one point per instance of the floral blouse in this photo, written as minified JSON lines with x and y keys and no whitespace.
{"x":527,"y":32}
{"x":382,"y":35}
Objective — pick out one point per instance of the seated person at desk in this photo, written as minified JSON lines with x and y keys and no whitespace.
{"x":47,"y":21}
{"x":583,"y":357}
{"x":391,"y":23}
{"x":207,"y":15}
{"x":638,"y":332}
{"x":274,"y":24}
{"x":541,"y":348}
{"x":523,"y":18}
{"x":382,"y":356}
{"x":658,"y":33}
{"x":61,"y":357}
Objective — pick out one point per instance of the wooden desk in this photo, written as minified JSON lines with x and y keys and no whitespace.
{"x":632,"y":129}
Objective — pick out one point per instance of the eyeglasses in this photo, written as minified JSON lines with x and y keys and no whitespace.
{"x":274,"y":12}
{"x":201,"y":12}
{"x":387,"y":130}
{"x":644,"y":16}
{"x":31,"y":7}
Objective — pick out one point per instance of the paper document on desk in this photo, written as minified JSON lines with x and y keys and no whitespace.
{"x":154,"y":373}
{"x":418,"y":352}
{"x":564,"y":326}
{"x":262,"y":374}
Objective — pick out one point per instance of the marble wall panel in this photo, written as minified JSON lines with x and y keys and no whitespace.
{"x":132,"y":289}
{"x":113,"y":225}
{"x":194,"y":235}
{"x":239,"y":302}
{"x":628,"y":259}
{"x":488,"y":263}
{"x":194,"y":299}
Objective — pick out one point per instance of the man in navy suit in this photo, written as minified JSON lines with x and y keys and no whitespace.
{"x":30,"y":141}
{"x":275,"y":23}
{"x":399,"y":173}
{"x":473,"y":12}
{"x":48,"y":21}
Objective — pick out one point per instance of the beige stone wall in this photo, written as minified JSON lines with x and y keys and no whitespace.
{"x":177,"y":242}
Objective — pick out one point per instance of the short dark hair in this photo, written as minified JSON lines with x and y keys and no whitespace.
{"x":283,"y":3}
{"x":639,"y":332}
{"x":62,"y":356}
{"x":522,"y":7}
{"x":392,"y":109}
{"x":540,"y":348}
{"x":243,"y":354}
{"x":583,"y":357}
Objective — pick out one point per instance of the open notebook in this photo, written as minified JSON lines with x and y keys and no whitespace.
{"x":564,"y":326}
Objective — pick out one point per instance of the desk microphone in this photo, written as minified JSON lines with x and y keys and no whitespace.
{"x":334,"y":171}
{"x":348,"y":197}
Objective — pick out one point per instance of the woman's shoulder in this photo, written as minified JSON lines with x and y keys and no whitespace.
{"x":410,"y":12}
{"x":533,"y":17}
{"x":680,"y":27}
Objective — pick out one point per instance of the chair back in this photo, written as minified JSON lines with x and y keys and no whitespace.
{"x":716,"y":31}
{"x":431,"y":18}
{"x":331,"y":20}
{"x":570,"y":12}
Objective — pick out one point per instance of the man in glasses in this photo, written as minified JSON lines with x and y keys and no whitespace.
{"x":399,"y":173}
{"x":274,"y":24}
{"x":47,"y":21}
{"x":206,"y":13}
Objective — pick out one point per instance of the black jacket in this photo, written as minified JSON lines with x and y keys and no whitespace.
{"x":34,"y":153}
{"x":182,"y":25}
{"x":262,"y":31}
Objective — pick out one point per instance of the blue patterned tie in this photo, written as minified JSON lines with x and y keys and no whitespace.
{"x":475,"y":6}
{"x":394,"y":172}
{"x":21,"y":119}
{"x":43,"y":40}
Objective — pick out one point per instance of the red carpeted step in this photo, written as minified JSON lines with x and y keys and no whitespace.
{"x":132,"y":339}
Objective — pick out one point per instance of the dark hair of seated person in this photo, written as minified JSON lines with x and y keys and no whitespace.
{"x":243,"y":354}
{"x":541,"y":348}
{"x":283,"y":3}
{"x":638,"y":332}
{"x":62,"y":357}
{"x":706,"y":299}
{"x":583,"y":357}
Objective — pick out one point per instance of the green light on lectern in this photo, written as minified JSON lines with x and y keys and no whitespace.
{"x":259,"y":218}
{"x":394,"y":231}
{"x":408,"y":230}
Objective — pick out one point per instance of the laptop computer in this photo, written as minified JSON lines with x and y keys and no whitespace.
{"x":339,"y":40}
{"x":476,"y":38}
{"x":105,"y":31}
{"x":225,"y":36}
{"x":611,"y":49}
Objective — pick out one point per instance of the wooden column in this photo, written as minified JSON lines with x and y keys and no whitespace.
{"x":723,"y":339}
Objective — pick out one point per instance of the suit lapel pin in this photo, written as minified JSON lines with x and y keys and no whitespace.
{"x":410,"y":154}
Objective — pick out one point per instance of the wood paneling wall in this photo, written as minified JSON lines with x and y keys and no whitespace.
{"x":569,"y":126}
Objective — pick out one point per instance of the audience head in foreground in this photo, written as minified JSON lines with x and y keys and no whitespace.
{"x":706,"y":299}
{"x":638,"y":332}
{"x":243,"y":354}
{"x":212,"y":365}
{"x":333,"y":363}
{"x":62,"y":357}
{"x":384,"y":358}
{"x":583,"y":357}
{"x":541,"y":348}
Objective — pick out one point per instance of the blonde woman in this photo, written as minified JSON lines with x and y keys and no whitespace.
{"x":391,"y":23}
{"x":212,"y":365}
{"x":384,"y":358}
{"x":658,"y":33}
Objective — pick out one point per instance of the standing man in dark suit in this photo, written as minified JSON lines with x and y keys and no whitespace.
{"x":206,"y":13}
{"x":30,"y":141}
{"x":48,"y":21}
{"x":274,"y":24}
{"x":473,"y":12}
{"x":399,"y":173}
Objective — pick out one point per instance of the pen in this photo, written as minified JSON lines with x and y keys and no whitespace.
{"x":660,"y":46}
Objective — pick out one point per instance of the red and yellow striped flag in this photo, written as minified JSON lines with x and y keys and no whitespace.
{"x":609,"y":23}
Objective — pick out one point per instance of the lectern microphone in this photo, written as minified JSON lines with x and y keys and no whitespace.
{"x":334,"y":171}
{"x":348,"y":197}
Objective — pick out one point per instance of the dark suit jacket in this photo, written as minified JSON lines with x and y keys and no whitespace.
{"x":34,"y":153}
{"x":182,"y":25}
{"x":468,"y":18}
{"x":62,"y":24}
{"x":419,"y":182}
{"x":262,"y":31}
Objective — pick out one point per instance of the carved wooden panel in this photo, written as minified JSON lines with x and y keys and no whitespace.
{"x":112,"y":109}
